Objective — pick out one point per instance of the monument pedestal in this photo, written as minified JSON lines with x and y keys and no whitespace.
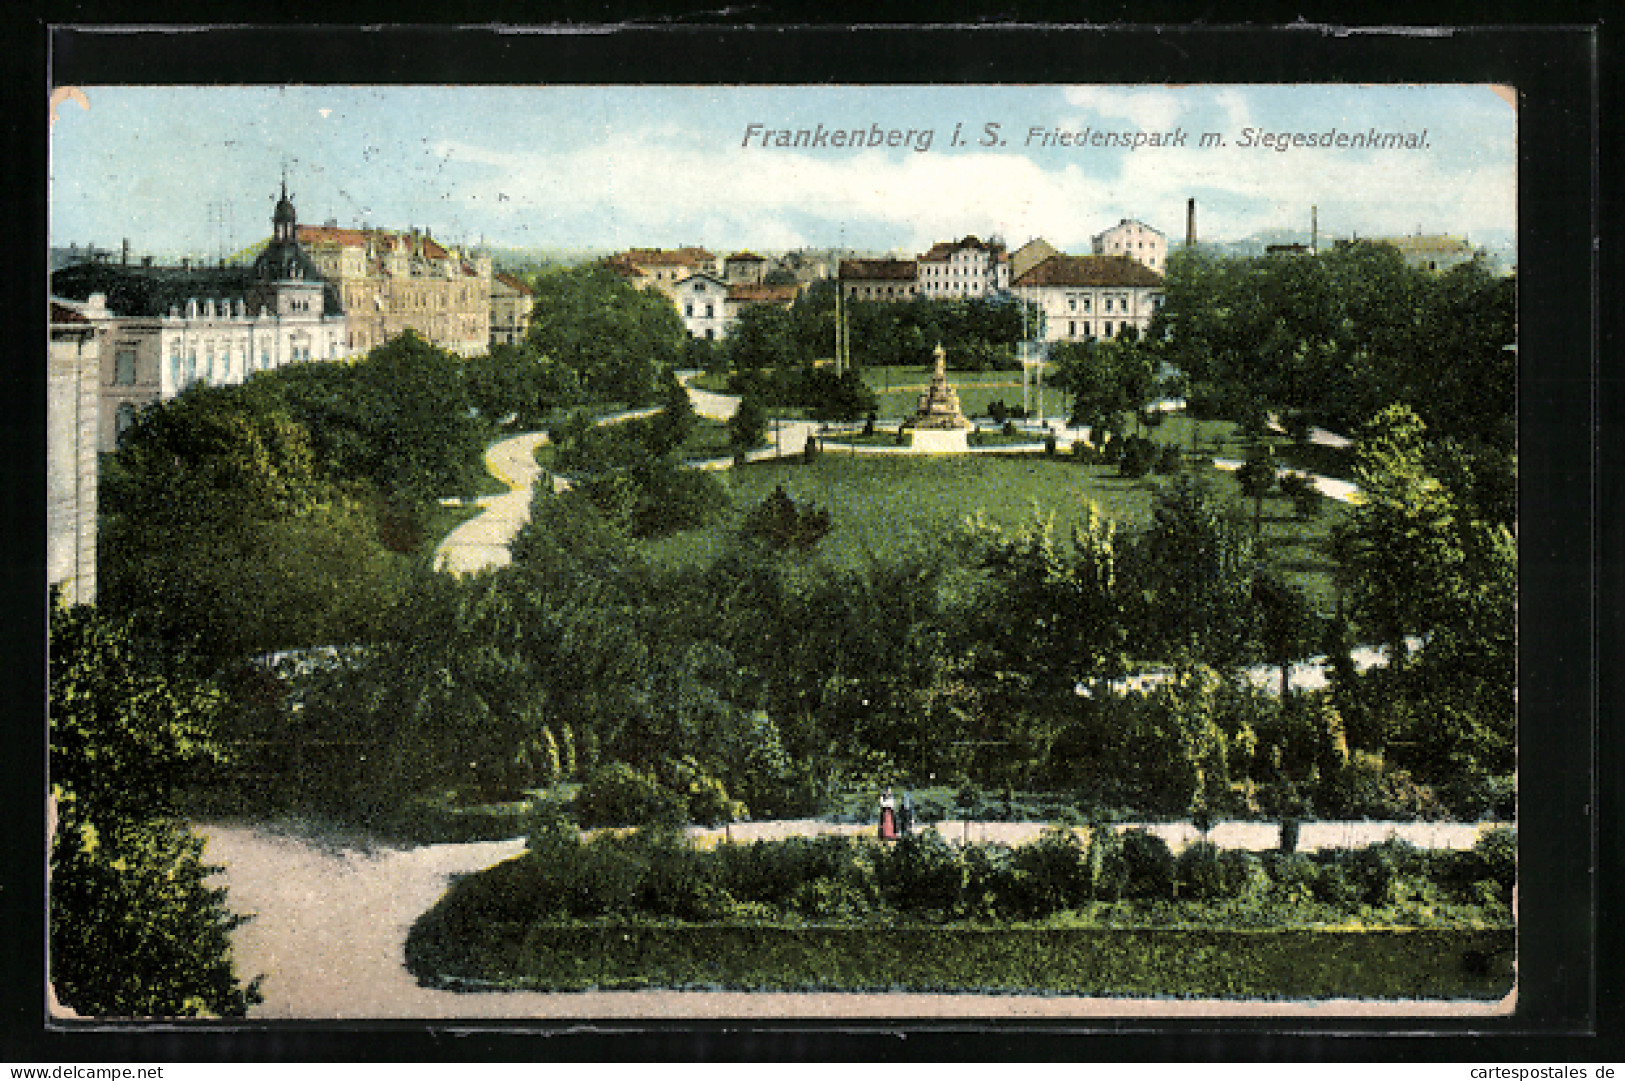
{"x":940,"y":441}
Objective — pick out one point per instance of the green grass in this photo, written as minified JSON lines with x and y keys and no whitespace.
{"x":881,"y":505}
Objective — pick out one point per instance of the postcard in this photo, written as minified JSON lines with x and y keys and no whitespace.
{"x":1017,"y":551}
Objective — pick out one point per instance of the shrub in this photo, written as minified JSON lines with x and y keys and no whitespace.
{"x":1050,"y":874}
{"x":1306,"y":498}
{"x":1136,"y":456}
{"x":1147,"y":866}
{"x":618,"y":795}
{"x":1171,"y":460}
{"x":1200,"y":873}
{"x":1294,"y":878}
{"x":921,"y":872}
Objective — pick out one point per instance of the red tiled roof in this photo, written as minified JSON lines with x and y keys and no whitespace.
{"x":512,"y":282}
{"x":763,"y":294}
{"x":383,"y":239}
{"x":879,"y":270}
{"x":1084,"y":270}
{"x":660,"y":257}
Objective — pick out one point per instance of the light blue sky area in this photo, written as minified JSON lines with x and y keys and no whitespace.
{"x":196,"y":169}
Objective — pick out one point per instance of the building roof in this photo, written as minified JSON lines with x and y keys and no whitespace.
{"x":744,"y":257}
{"x":1438,"y":243}
{"x":879,"y":270}
{"x":382,"y":240}
{"x":512,"y":282}
{"x":61,"y":313}
{"x":151,"y":291}
{"x":941,"y":251}
{"x":763,"y":294}
{"x":660,"y":257}
{"x":1130,"y":221}
{"x":1090,"y":270}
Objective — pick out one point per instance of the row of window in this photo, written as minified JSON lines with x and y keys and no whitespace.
{"x":184,"y":371}
{"x":1106,"y":330}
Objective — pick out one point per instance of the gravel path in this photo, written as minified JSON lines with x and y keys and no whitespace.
{"x":329,"y":931}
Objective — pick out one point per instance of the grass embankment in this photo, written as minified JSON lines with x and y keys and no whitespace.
{"x":881,"y":505}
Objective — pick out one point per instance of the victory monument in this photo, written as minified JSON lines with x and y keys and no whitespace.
{"x":939,"y":424}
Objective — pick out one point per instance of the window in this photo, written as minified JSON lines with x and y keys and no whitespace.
{"x":124,"y":420}
{"x":1108,"y":303}
{"x":710,"y":311}
{"x":124,"y":366}
{"x":1072,"y":329}
{"x":688,"y":310}
{"x":1108,"y":328}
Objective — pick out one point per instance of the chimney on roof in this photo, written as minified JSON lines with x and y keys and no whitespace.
{"x":124,"y":254}
{"x":1190,"y":223}
{"x":1314,"y":230}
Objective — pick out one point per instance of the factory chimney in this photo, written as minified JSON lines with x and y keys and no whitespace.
{"x":1190,"y":223}
{"x":1314,"y":230}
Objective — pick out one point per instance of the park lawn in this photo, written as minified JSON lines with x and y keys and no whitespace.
{"x":883,"y":505}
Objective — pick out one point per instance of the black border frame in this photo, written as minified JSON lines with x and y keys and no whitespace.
{"x":1569,"y":993}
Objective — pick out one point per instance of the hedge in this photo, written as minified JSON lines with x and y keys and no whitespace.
{"x":1294,"y":964}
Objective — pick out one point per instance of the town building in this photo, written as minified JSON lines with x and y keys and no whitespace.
{"x":964,"y":268}
{"x":1437,"y":252}
{"x":887,"y":280}
{"x":172,"y":327}
{"x":511,"y":302}
{"x":1135,"y":239}
{"x":1081,"y":298}
{"x":741,"y":297}
{"x":702,"y":300}
{"x":1029,"y":255}
{"x":390,"y":282}
{"x":72,"y":440}
{"x":744,"y":268}
{"x":663,"y":269}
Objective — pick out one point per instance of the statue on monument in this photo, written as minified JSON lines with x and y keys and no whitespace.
{"x":939,"y":405}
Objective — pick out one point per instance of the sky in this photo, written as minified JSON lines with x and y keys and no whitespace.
{"x":196,"y":170}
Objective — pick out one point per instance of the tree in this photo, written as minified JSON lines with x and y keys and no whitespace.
{"x":616,"y":339}
{"x":1257,"y":478}
{"x":747,"y":428}
{"x":1287,"y":627}
{"x":1193,"y":568}
{"x":135,"y":930}
{"x":1400,"y":549}
{"x":675,"y":422}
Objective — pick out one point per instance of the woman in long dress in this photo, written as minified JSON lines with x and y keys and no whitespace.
{"x":888,"y":817}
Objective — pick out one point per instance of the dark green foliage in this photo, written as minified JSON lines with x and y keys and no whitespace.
{"x":921,"y":873}
{"x":135,"y":929}
{"x":1145,"y":866}
{"x":1306,"y":498}
{"x":1050,"y":876}
{"x":747,"y":428}
{"x":615,"y":794}
{"x":1194,"y":569}
{"x":619,"y":342}
{"x":780,"y":523}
